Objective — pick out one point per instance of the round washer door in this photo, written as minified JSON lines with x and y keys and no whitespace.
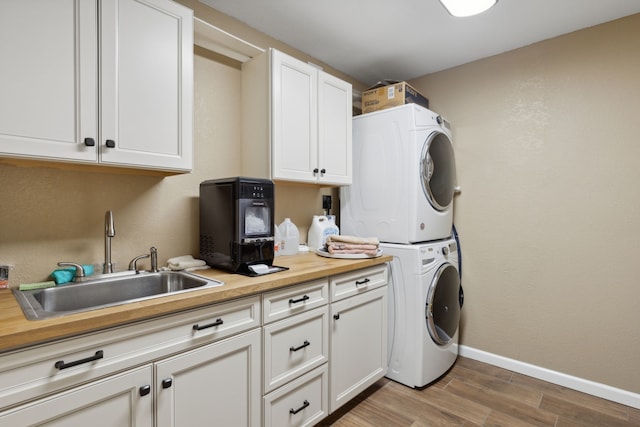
{"x":443,"y":304}
{"x":438,"y":170}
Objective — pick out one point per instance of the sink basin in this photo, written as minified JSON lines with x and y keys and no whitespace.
{"x":106,"y":292}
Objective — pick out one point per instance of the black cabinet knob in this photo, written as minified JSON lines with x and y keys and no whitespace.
{"x":110,"y":143}
{"x":167,"y":382}
{"x":145,"y":390}
{"x":89,"y":142}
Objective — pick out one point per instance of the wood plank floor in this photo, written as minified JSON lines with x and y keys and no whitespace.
{"x":473,"y":393}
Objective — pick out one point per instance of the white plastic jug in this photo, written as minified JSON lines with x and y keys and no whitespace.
{"x":330,"y":228}
{"x":290,"y":237}
{"x":314,"y":238}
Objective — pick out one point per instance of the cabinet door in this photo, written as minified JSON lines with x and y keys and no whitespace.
{"x":119,"y":400}
{"x":147,"y":84}
{"x":48,"y":79}
{"x":358,"y":345}
{"x":215,"y":384}
{"x":294,"y":137}
{"x":334,"y":130}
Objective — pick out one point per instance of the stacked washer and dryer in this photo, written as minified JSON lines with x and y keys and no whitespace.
{"x":402,"y":192}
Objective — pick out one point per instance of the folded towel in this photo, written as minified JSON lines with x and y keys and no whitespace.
{"x":348,"y":249}
{"x":185,"y":262}
{"x":178,"y":259}
{"x":338,"y":238}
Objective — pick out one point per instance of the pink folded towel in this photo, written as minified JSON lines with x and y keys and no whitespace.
{"x":337,"y":244}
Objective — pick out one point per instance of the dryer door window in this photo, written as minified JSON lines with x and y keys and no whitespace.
{"x":443,"y":304}
{"x":438,"y":170}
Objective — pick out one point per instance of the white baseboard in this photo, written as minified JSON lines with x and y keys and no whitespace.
{"x":586,"y":386}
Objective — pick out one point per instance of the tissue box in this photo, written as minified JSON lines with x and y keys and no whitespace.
{"x":380,"y":96}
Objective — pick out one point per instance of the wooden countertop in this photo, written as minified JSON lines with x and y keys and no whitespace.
{"x":16,"y":331}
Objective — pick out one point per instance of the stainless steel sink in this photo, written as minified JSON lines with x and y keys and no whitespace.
{"x":106,"y":292}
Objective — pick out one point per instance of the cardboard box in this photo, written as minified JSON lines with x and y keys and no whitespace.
{"x":381,"y":97}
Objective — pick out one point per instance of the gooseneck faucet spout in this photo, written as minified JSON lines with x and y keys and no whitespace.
{"x":109,"y":232}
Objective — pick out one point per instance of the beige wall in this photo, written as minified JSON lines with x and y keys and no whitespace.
{"x":548,"y":157}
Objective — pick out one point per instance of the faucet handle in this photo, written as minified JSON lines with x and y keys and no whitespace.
{"x":79,"y":268}
{"x":132,"y":264}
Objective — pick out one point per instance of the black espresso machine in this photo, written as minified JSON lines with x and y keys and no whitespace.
{"x":237,"y":225}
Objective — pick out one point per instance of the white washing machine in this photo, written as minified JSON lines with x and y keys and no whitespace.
{"x":425,"y":300}
{"x":404,"y":177}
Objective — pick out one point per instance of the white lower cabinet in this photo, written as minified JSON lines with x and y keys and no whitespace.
{"x":296,"y":351}
{"x":218,"y":384}
{"x":302,"y":402}
{"x":358,"y":334}
{"x":120,"y":400}
{"x":288,"y":357}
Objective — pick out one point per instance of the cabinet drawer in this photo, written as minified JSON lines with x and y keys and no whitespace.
{"x":295,"y":299}
{"x":294,"y":346}
{"x":36,"y":371}
{"x":303,"y":402}
{"x":357,"y":282}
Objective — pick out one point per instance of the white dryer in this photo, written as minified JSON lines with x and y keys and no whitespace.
{"x":424,"y":311}
{"x":404,"y":177}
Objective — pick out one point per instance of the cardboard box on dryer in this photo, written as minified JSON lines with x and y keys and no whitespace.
{"x":382,"y":96}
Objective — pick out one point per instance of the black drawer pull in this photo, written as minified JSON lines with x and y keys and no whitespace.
{"x":110,"y":143}
{"x":60,"y":364}
{"x":89,"y":142}
{"x":294,"y":301}
{"x":295,"y":411}
{"x":336,"y":316}
{"x":145,"y":390}
{"x":167,"y":382}
{"x":305,"y":344}
{"x":362,"y":282}
{"x":218,"y":322}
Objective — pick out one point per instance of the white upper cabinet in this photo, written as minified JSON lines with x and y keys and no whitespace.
{"x":296,"y":121}
{"x":106,"y":82}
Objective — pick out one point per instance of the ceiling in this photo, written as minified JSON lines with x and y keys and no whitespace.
{"x":378,"y":39}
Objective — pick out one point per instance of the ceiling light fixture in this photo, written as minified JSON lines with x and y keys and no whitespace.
{"x":462,"y":8}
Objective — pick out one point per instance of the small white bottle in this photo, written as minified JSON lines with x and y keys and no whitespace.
{"x":290,"y":237}
{"x":277,"y":241}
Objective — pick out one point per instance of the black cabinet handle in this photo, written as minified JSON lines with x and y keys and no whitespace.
{"x":167,"y":382}
{"x":323,"y":171}
{"x":145,"y":390}
{"x":295,"y":411}
{"x":218,"y":322}
{"x":362,"y":282}
{"x":305,"y":344}
{"x":110,"y":143}
{"x":89,"y":142}
{"x":336,"y":316}
{"x":60,"y":364}
{"x":315,"y":171}
{"x":294,"y":301}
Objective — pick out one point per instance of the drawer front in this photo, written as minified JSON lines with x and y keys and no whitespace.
{"x":25,"y":374}
{"x":303,"y":402}
{"x":295,"y":299}
{"x":350,"y":284}
{"x":294,"y":346}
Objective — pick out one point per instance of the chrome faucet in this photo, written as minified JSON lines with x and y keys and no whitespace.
{"x":109,"y":232}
